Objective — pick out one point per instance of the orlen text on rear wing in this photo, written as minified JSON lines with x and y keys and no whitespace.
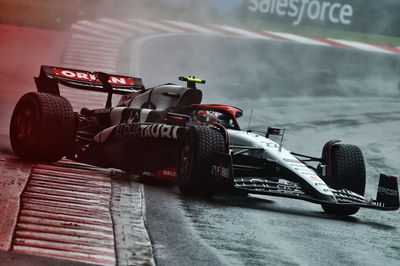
{"x":50,"y":77}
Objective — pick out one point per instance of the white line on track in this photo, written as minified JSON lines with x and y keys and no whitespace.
{"x":90,"y":57}
{"x":97,"y":33}
{"x":244,"y":33}
{"x":65,"y":239}
{"x":362,"y":46}
{"x":95,"y":259}
{"x":158,"y":26}
{"x":93,"y":52}
{"x":194,"y":27}
{"x":111,"y":29}
{"x":297,"y":38}
{"x":91,"y":236}
{"x":131,"y":28}
{"x":85,"y":37}
{"x":87,"y":46}
{"x":87,"y":60}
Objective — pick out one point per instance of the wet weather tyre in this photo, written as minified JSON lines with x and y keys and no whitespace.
{"x":195,"y":160}
{"x":42,"y":127}
{"x":347,"y":172}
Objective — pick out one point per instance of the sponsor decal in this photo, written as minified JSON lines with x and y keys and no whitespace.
{"x":145,"y":173}
{"x":302,"y":10}
{"x":301,"y":167}
{"x":315,"y":178}
{"x":130,"y":116}
{"x":307,"y":173}
{"x":102,"y":111}
{"x":220,"y":170}
{"x":388,"y":191}
{"x":271,"y":144}
{"x":146,"y":131}
{"x":178,"y":117}
{"x":90,"y":77}
{"x":285,"y":188}
{"x":167,"y":174}
{"x":292,"y":161}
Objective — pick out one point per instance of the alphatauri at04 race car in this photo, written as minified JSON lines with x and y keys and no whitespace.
{"x":165,"y":132}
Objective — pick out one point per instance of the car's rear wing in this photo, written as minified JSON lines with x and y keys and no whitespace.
{"x":51,"y":76}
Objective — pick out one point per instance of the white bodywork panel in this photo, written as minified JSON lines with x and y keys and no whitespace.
{"x":272,"y":151}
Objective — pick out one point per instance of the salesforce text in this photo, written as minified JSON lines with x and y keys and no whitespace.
{"x":305,"y":9}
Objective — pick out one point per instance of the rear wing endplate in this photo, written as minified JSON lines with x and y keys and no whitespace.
{"x":51,"y":76}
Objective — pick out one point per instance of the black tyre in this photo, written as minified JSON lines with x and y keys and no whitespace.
{"x":195,"y":160}
{"x":42,"y":127}
{"x":347,"y":172}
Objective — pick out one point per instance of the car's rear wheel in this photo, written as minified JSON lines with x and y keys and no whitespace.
{"x":346,"y":171}
{"x":195,"y":160}
{"x":42,"y":127}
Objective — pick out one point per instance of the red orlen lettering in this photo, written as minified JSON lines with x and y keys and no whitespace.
{"x":90,"y":77}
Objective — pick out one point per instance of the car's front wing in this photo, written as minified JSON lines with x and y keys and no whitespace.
{"x":387,"y":195}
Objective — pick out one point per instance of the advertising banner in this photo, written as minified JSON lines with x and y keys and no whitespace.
{"x":368,"y":16}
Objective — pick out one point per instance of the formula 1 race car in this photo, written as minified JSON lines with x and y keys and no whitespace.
{"x":165,"y":132}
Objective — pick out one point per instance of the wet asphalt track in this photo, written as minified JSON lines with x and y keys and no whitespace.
{"x":318,"y":93}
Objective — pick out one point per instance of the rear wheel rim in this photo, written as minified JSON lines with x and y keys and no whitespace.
{"x":25,"y":123}
{"x":185,"y":161}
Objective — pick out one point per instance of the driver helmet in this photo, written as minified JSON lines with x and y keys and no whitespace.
{"x":207,"y":116}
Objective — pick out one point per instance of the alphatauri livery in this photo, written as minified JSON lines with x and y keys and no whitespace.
{"x":165,"y":132}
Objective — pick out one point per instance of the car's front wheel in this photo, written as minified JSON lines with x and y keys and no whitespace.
{"x":346,"y":171}
{"x":42,"y":127}
{"x":195,"y":160}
